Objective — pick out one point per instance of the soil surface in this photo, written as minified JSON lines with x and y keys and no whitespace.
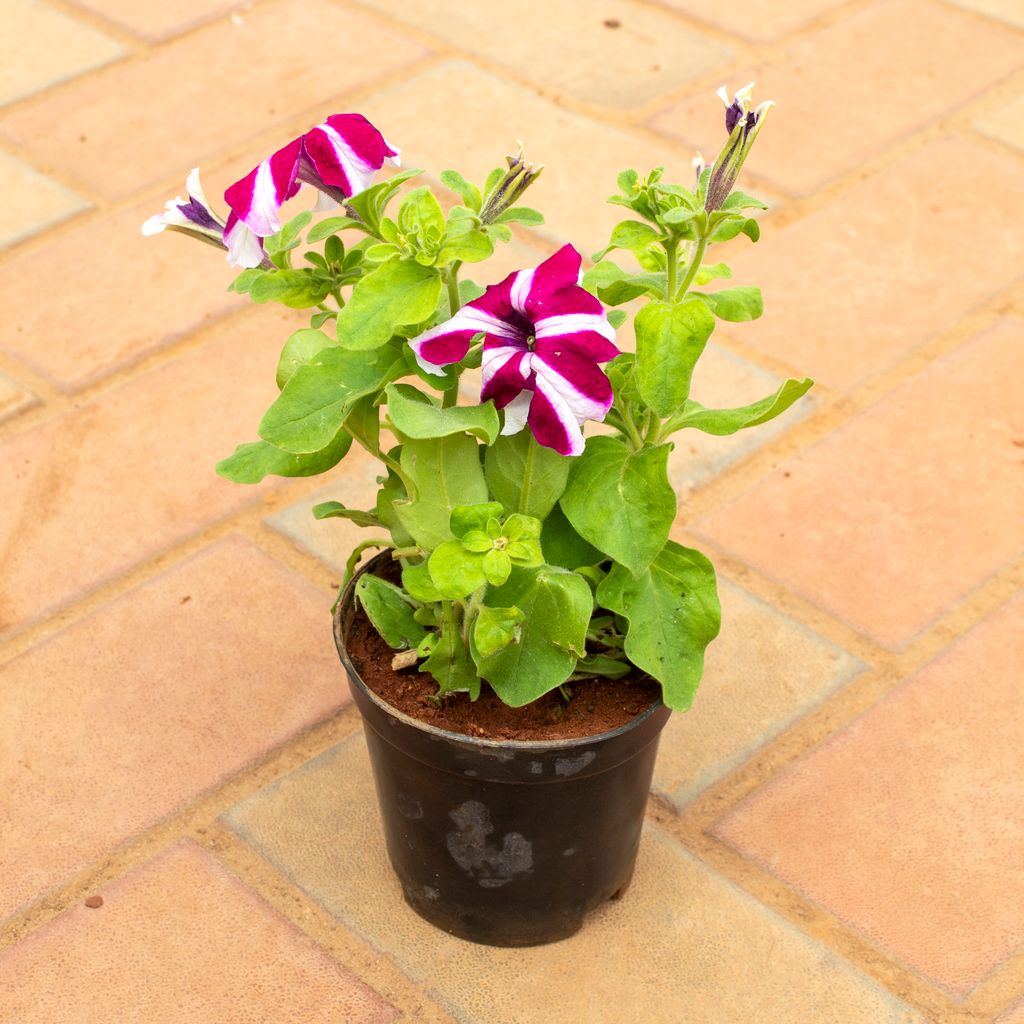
{"x":596,"y":706}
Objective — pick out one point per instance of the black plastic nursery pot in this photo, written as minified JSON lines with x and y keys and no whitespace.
{"x":501,"y":842}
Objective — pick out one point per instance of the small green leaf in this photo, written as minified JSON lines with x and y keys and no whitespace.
{"x":421,"y":213}
{"x":556,"y":607}
{"x":299,"y":350}
{"x":603,"y":665}
{"x":288,"y":237}
{"x":741,"y":201}
{"x":389,"y":611}
{"x":525,"y":476}
{"x":464,"y":242}
{"x":457,"y":183}
{"x":711,"y":272}
{"x":455,"y":571}
{"x":250,"y":463}
{"x":496,"y":628}
{"x":521,"y":215}
{"x":617,"y":317}
{"x":328,"y":227}
{"x":669,"y":341}
{"x":395,"y":294}
{"x":673,"y":613}
{"x":632,"y":235}
{"x":245,"y":279}
{"x":416,"y":419}
{"x":335,"y":510}
{"x":466,"y":519}
{"x":297,"y":289}
{"x":496,"y":566}
{"x":734,"y":304}
{"x":621,"y":500}
{"x":418,"y":584}
{"x":728,"y":421}
{"x":450,"y":663}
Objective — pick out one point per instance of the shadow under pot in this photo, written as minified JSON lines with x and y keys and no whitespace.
{"x":503,"y":842}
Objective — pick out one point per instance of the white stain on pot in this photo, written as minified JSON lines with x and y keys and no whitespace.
{"x":431,"y":893}
{"x":571,"y":765}
{"x":492,"y":865}
{"x":536,"y":767}
{"x":409,"y":806}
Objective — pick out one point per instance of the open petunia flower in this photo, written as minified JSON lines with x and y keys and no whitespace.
{"x":338,"y":158}
{"x":544,"y":336}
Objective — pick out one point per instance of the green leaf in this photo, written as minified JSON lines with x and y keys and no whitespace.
{"x":496,"y":628}
{"x":669,"y":341}
{"x":466,"y":519}
{"x":465,"y":242}
{"x":563,"y":546}
{"x":391,"y":492}
{"x":673,"y":613}
{"x":627,"y":182}
{"x":389,"y":611}
{"x":556,"y":607}
{"x":335,"y":510}
{"x":450,"y":663}
{"x":330,"y":226}
{"x":521,"y":215}
{"x":299,"y":350}
{"x":603,"y":665}
{"x":632,"y":235}
{"x":415,"y":419}
{"x":250,"y":463}
{"x":728,"y":421}
{"x":420,"y":213}
{"x":297,"y":289}
{"x":395,"y":294}
{"x":446,"y":472}
{"x":288,"y":237}
{"x":455,"y":571}
{"x":318,"y":397}
{"x":497,"y":565}
{"x":711,"y":272}
{"x":620,"y":500}
{"x":741,"y":201}
{"x":617,"y":317}
{"x":457,"y":183}
{"x":729,"y":229}
{"x":369,"y":204}
{"x":525,"y":476}
{"x":614,"y":286}
{"x":418,"y":584}
{"x":245,"y":279}
{"x":734,"y":304}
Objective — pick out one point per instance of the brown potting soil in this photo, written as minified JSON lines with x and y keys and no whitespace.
{"x":596,"y":705}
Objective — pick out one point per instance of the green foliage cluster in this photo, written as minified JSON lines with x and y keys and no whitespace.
{"x":518,"y":566}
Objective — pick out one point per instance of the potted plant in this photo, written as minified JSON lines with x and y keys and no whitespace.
{"x":528,"y":625}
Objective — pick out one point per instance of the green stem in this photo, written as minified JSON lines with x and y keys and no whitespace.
{"x":691,"y":272}
{"x":452,"y":282}
{"x":628,"y":427}
{"x":672,"y":254}
{"x":476,"y":600}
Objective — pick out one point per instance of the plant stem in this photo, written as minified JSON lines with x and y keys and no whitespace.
{"x":691,"y":271}
{"x":476,"y":599}
{"x":672,"y":254}
{"x":452,"y":282}
{"x":628,"y":427}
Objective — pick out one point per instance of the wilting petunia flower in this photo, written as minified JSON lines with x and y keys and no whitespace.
{"x":192,"y":216}
{"x":742,"y":124}
{"x":338,"y":158}
{"x":545,"y":336}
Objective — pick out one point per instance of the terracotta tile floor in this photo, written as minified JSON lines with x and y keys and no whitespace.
{"x":837,"y":835}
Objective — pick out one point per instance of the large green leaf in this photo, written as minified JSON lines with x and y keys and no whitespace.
{"x":319,"y":395}
{"x":563,"y":546}
{"x":454,"y":571}
{"x":250,"y":463}
{"x":525,"y":476}
{"x":556,"y":607}
{"x":394,"y":295}
{"x":728,"y":421}
{"x":446,"y":472}
{"x":632,"y":235}
{"x":620,"y":500}
{"x":669,"y":341}
{"x":298,"y":289}
{"x":389,"y":611}
{"x":673,"y":613}
{"x":420,"y":420}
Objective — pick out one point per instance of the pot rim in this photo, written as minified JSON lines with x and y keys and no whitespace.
{"x":347,"y":601}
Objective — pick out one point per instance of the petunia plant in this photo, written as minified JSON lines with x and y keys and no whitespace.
{"x":526,"y":555}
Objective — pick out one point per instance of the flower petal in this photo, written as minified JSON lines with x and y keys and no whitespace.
{"x":449,"y":342}
{"x":517,"y":412}
{"x":245,"y":248}
{"x":557,"y":272}
{"x":505,"y":370}
{"x":552,"y":421}
{"x":366,"y":142}
{"x":589,"y":334}
{"x":257,"y":198}
{"x":581,"y":383}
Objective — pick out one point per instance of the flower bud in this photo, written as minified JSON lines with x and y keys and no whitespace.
{"x":519,"y":177}
{"x":742,"y":124}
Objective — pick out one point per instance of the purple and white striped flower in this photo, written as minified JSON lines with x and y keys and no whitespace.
{"x":192,"y":216}
{"x":544,"y":338}
{"x":338,"y":158}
